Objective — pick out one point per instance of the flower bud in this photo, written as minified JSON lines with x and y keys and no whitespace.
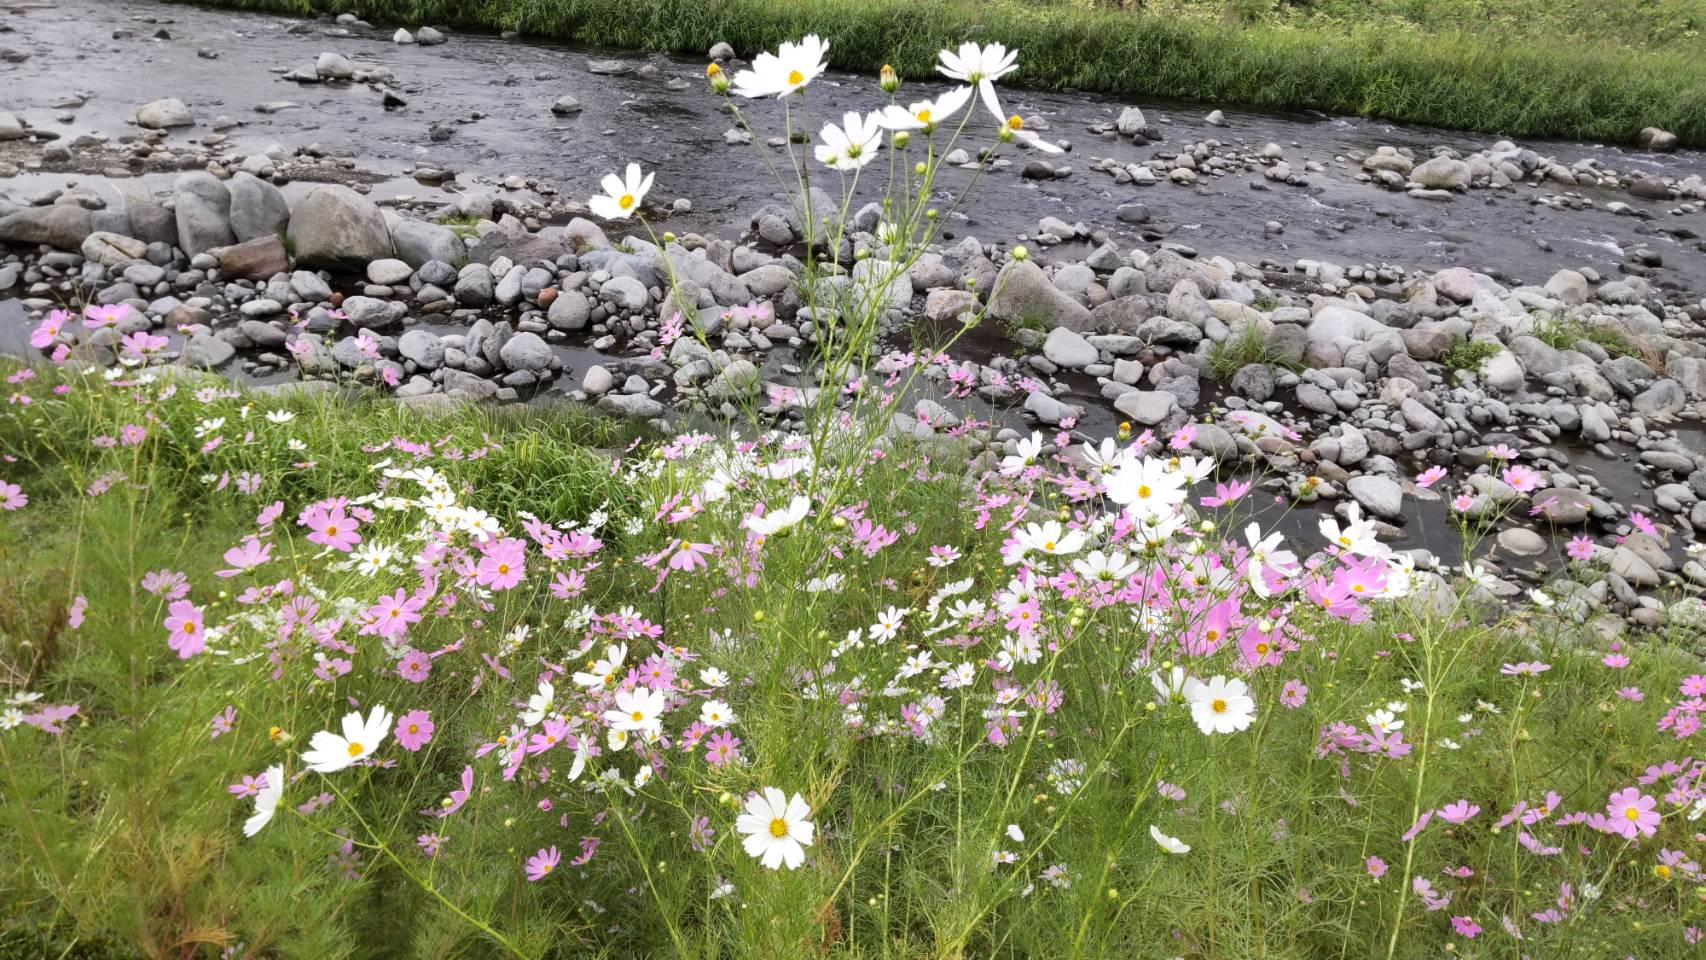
{"x":718,"y":79}
{"x":900,"y":139}
{"x":888,"y":79}
{"x":1020,"y":253}
{"x":669,"y":236}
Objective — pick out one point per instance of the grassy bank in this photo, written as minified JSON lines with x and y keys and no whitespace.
{"x":1518,"y":68}
{"x":986,"y":745}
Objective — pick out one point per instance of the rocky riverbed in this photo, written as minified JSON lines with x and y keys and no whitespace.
{"x":1335,"y":304}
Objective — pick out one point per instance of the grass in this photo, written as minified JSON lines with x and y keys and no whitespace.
{"x":1468,"y":355}
{"x":119,"y":836}
{"x":1247,"y":345}
{"x":1590,"y":69}
{"x":1563,"y":334}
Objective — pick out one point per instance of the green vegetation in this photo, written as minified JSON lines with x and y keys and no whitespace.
{"x":1588,"y":69}
{"x":1248,"y":344}
{"x":1562,"y":334}
{"x":1045,"y":791}
{"x":1468,"y":355}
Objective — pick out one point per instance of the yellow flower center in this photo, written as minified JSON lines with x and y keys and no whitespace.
{"x":1143,"y":492}
{"x":503,"y":568}
{"x":331,"y":531}
{"x":637,"y":716}
{"x":1048,"y":545}
{"x":1632,"y":813}
{"x":414,"y":728}
{"x":626,"y":201}
{"x":355,"y":749}
{"x":1261,"y":647}
{"x":1015,"y":122}
{"x":795,"y":78}
{"x":1219,"y":706}
{"x":923,"y":115}
{"x":778,"y":828}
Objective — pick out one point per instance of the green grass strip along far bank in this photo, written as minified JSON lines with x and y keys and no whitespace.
{"x":1518,"y":85}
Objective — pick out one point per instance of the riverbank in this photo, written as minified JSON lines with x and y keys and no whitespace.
{"x":1485,"y":76}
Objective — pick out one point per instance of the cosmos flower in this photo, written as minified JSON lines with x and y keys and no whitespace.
{"x":776,"y":829}
{"x":328,"y":752}
{"x":788,"y":70}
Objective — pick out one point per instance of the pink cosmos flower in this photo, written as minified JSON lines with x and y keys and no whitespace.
{"x":1293,"y":694}
{"x":1580,"y":548}
{"x":141,"y":344}
{"x":1375,"y":866}
{"x":222,"y":723}
{"x":414,"y":666}
{"x":1521,"y":479}
{"x":249,"y":554}
{"x":1527,"y":668}
{"x":1630,"y":814}
{"x":1502,"y":451}
{"x":1465,"y":927}
{"x":49,"y":329}
{"x":132,"y":434}
{"x":97,"y":316}
{"x":12,"y":496}
{"x":689,"y":556}
{"x":79,"y":607}
{"x":1183,"y":439}
{"x":1430,"y":476}
{"x":540,"y":865}
{"x":723,"y":747}
{"x":1643,"y":523}
{"x":414,"y":730}
{"x":184,"y":620}
{"x":331,"y":527}
{"x":503,"y":564}
{"x":392,"y":615}
{"x":1458,"y":812}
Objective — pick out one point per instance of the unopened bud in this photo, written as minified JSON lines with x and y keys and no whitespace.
{"x":888,"y":79}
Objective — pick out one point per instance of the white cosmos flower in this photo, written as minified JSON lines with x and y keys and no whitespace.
{"x":925,"y":115}
{"x":1385,"y":721}
{"x":1105,"y":568}
{"x":713,"y":677}
{"x":980,"y":67}
{"x":603,"y":672}
{"x":1221,"y":705}
{"x":539,"y":704}
{"x":622,"y":195}
{"x":1169,"y":686}
{"x":328,"y":753}
{"x":1147,"y":487}
{"x":266,"y":801}
{"x":639,"y":710}
{"x":790,"y":68}
{"x":715,"y":713}
{"x":1026,"y":455}
{"x":1014,"y":127}
{"x":1015,"y":833}
{"x":851,"y":145}
{"x":1266,"y":554}
{"x":775,"y":828}
{"x":1048,"y":537}
{"x":280,"y":416}
{"x":1172,"y":845}
{"x":776,"y":521}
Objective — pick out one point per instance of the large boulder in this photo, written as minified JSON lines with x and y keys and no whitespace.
{"x":111,"y":249}
{"x":1442,"y":173}
{"x":256,"y":259}
{"x":257,"y":207}
{"x":62,"y":225}
{"x":1023,"y":294}
{"x":335,"y":227}
{"x":202,"y":206}
{"x":418,"y":241}
{"x":164,"y":114}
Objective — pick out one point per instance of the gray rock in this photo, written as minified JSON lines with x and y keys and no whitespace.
{"x":62,"y":225}
{"x":1379,"y":495}
{"x":737,"y":380}
{"x":1663,"y":397}
{"x":1442,"y":173}
{"x":1131,"y":122}
{"x":418,"y":242}
{"x":335,"y":227}
{"x":389,"y":272}
{"x":1067,"y":348}
{"x":202,"y":207}
{"x":475,"y":286}
{"x":637,"y":406}
{"x":1023,"y":293}
{"x":526,"y":351}
{"x":206,"y":350}
{"x":565,"y":106}
{"x":1521,"y":542}
{"x":373,"y":313}
{"x":308,"y":285}
{"x":257,"y":207}
{"x":1147,"y":407}
{"x":333,"y":66}
{"x":164,"y":114}
{"x":255,"y":259}
{"x":626,"y":293}
{"x":597,"y":382}
{"x":110,"y":249}
{"x":424,"y":347}
{"x":570,"y":311}
{"x":11,"y":128}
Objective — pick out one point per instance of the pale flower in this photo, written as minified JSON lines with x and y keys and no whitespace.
{"x":639,"y":710}
{"x":1221,"y":705}
{"x":925,"y":115}
{"x":1172,"y":845}
{"x":790,"y":68}
{"x":776,"y":521}
{"x":851,"y":145}
{"x":539,"y":704}
{"x":266,"y":801}
{"x":776,"y":829}
{"x":622,"y":195}
{"x":328,"y":753}
{"x":980,"y":67}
